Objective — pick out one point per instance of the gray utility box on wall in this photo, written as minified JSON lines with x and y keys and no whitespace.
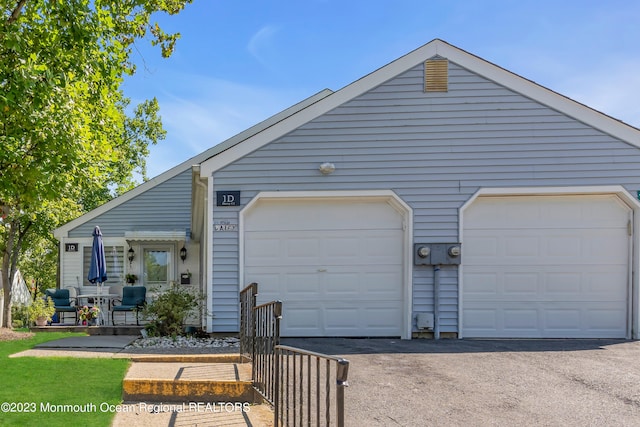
{"x":437,"y":253}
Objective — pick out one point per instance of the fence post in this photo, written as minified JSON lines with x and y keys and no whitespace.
{"x":276,"y":398}
{"x":342,"y":370}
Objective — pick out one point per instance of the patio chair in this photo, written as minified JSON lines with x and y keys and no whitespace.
{"x":133,"y":299}
{"x":113,"y":301}
{"x":63,"y":303}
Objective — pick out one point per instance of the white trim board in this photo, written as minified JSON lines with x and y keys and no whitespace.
{"x":475,"y":64}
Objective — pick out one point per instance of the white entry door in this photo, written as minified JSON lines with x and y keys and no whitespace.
{"x":546,"y":266}
{"x":337,"y":265}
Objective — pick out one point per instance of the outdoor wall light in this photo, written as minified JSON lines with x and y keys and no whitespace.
{"x":183,"y":253}
{"x":131,"y":255}
{"x":327,"y":168}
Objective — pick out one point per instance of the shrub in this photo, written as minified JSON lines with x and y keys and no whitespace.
{"x":41,"y":308}
{"x":168,"y":312}
{"x":19,"y":315}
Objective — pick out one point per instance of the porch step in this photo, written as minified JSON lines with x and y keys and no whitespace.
{"x":189,"y":382}
{"x":208,"y":389}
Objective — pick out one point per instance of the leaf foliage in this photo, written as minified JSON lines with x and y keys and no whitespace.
{"x":69,"y":138}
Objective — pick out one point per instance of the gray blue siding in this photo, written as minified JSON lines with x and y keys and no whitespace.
{"x":434,"y":150}
{"x":165,"y":207}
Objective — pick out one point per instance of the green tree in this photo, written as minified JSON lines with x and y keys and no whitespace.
{"x":69,"y":140}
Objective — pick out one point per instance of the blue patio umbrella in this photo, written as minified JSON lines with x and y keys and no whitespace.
{"x":98,"y":265}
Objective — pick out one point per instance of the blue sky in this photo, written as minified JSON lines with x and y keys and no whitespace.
{"x":239,"y":62}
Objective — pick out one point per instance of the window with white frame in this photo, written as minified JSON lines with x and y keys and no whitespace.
{"x":114,"y":257}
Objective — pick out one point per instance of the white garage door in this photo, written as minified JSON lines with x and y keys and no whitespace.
{"x":546,"y":267}
{"x":335,"y":264}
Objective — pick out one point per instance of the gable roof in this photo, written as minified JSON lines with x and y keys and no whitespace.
{"x":186,"y":165}
{"x":297,"y":115}
{"x":437,"y":47}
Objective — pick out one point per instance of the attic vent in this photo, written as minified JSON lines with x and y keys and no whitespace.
{"x":436,"y":76}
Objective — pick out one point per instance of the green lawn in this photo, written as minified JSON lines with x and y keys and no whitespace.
{"x":39,"y":384}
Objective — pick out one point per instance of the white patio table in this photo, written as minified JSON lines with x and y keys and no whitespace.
{"x":99,"y":299}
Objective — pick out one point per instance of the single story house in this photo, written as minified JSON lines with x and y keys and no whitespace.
{"x":440,"y":194}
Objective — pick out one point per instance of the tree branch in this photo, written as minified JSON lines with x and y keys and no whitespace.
{"x":16,"y":12}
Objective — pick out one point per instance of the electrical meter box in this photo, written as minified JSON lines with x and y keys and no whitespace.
{"x":437,"y":253}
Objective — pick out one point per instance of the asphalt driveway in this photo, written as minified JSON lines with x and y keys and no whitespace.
{"x":488,"y":382}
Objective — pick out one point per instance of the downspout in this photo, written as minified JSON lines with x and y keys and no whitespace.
{"x":204,"y":271}
{"x":436,"y":301}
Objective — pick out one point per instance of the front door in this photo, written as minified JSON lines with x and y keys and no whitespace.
{"x":157,"y":267}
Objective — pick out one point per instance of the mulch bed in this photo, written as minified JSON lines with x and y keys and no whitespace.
{"x":7,"y":334}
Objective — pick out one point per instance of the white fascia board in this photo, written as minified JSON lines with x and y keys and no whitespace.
{"x":541,"y":94}
{"x":259,"y":129}
{"x":63,"y":231}
{"x":528,"y":88}
{"x":323,"y":106}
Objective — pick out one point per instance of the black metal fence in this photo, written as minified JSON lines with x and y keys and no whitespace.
{"x":304,"y":387}
{"x":308,"y":385}
{"x":247,"y":325}
{"x":267,"y":337}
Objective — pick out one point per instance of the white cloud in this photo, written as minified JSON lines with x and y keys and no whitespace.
{"x":261,"y":45}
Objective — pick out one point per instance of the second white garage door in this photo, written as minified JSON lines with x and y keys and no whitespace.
{"x":336,"y":264}
{"x":546,"y":266}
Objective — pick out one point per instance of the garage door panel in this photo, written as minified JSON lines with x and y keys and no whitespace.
{"x":362,"y":247}
{"x":269,"y":280}
{"x":480,"y":319}
{"x":543,"y":321}
{"x":524,"y":319}
{"x":305,"y":319}
{"x":520,"y":285}
{"x":339,"y":248}
{"x":302,"y":320}
{"x":318,"y":215}
{"x":603,"y":319}
{"x":550,"y":247}
{"x":549,"y":284}
{"x":563,"y":319}
{"x":382,"y":246}
{"x":564,"y":283}
{"x":538,"y":211}
{"x":300,"y":249}
{"x":521,"y":247}
{"x":344,"y":285}
{"x":382,"y":286}
{"x":546,"y":266}
{"x":264,"y":249}
{"x":343,"y":319}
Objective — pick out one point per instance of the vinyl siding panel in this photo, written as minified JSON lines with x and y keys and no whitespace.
{"x":434,"y":150}
{"x":165,"y":207}
{"x":226,"y":286}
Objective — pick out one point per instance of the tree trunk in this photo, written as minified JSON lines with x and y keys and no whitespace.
{"x":6,"y":288}
{"x":14,"y":235}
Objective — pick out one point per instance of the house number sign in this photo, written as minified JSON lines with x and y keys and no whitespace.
{"x":224,"y":226}
{"x":227,"y":198}
{"x":71,"y":247}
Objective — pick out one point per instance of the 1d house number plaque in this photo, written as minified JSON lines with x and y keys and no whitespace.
{"x":227,"y":198}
